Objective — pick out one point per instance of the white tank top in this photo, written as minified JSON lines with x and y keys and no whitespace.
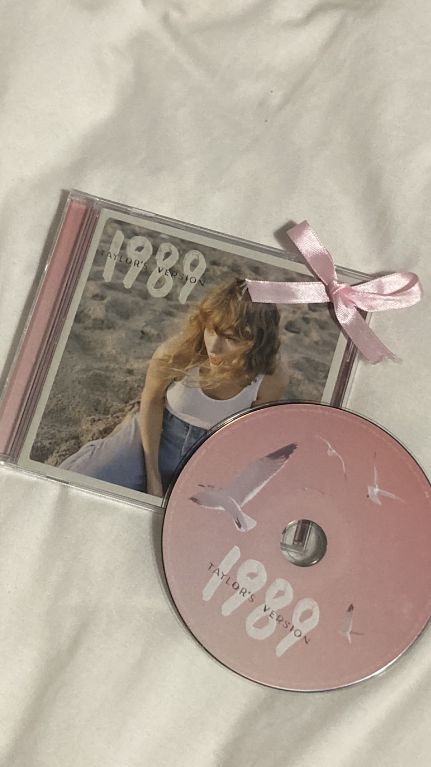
{"x":189,"y":403}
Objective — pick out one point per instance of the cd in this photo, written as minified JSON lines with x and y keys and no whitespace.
{"x":296,"y":545}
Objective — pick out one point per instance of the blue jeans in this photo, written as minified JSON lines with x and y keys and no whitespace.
{"x":119,"y":457}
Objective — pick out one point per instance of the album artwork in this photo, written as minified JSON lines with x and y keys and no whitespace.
{"x":143,"y":338}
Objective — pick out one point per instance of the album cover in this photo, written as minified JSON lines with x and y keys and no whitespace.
{"x":143,"y":338}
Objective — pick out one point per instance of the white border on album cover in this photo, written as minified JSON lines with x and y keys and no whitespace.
{"x":152,"y":223}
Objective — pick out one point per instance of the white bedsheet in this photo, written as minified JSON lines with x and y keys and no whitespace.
{"x":238,"y":116}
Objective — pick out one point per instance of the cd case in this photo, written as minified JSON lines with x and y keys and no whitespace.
{"x":142,"y":338}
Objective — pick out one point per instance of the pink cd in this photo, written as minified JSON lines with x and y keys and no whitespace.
{"x":296,"y":547}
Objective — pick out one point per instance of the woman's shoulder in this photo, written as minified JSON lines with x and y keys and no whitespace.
{"x":273,"y":385}
{"x":166,"y":349}
{"x":280,"y":372}
{"x":164,"y":363}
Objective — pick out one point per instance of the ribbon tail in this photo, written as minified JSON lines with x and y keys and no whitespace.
{"x":355,"y":327}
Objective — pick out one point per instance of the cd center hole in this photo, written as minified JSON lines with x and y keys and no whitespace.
{"x":303,"y":542}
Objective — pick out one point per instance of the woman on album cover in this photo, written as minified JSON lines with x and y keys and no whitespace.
{"x":223,"y":361}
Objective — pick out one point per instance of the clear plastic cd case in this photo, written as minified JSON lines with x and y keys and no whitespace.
{"x":142,"y":338}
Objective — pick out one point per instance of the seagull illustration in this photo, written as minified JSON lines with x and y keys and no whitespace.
{"x":332,"y":452}
{"x":245,"y":486}
{"x":375,"y":492}
{"x":346,"y":627}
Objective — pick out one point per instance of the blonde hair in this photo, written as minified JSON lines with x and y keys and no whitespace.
{"x":228,"y":309}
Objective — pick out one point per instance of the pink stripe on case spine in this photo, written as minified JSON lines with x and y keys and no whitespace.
{"x":26,"y":361}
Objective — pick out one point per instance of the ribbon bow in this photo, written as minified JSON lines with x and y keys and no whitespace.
{"x":392,"y":291}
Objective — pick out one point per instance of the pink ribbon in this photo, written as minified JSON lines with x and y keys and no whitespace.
{"x":392,"y":291}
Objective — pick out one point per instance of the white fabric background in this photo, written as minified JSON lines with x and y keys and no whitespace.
{"x":238,"y":116}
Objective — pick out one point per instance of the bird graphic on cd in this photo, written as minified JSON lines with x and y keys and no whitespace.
{"x":376,"y":493}
{"x":346,"y":629}
{"x":331,"y":451}
{"x":244,"y":487}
